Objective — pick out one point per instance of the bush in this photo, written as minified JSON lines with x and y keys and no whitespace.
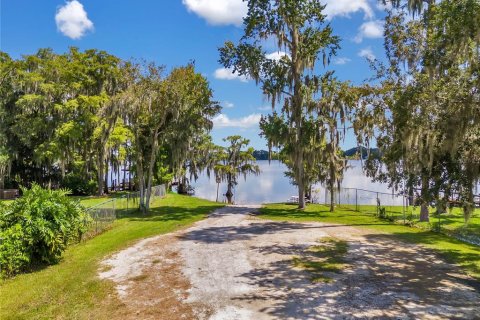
{"x":36,"y":228}
{"x":78,"y":185}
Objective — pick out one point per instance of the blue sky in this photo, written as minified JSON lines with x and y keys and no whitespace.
{"x":174,"y":32}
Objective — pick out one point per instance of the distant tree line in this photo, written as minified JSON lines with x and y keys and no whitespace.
{"x":265,"y":155}
{"x":352,"y":153}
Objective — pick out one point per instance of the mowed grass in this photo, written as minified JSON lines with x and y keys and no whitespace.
{"x":450,"y":222}
{"x":465,"y":255}
{"x":71,"y":289}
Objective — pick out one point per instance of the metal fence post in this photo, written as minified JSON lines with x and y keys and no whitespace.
{"x":339,"y":192}
{"x":356,"y":200}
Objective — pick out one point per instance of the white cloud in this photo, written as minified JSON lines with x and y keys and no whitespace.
{"x":265,"y":108}
{"x":277,"y":55}
{"x":384,"y":7}
{"x":72,"y":20}
{"x":225,"y":12}
{"x":218,"y":12}
{"x":228,"y":74}
{"x":228,"y":104}
{"x":367,"y":53}
{"x":344,"y":8}
{"x":371,"y":29}
{"x":341,"y":60}
{"x":223,"y":121}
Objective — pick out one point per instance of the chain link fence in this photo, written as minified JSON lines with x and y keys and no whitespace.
{"x":387,"y":205}
{"x":104,"y":214}
{"x":399,"y":208}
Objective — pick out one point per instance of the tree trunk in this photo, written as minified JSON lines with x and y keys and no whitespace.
{"x":112,"y":180}
{"x":411,"y":201}
{"x":301,"y":195}
{"x":299,"y":176}
{"x":106,"y":177}
{"x":229,"y":194}
{"x":424,"y":211}
{"x":218,"y":186}
{"x":3,"y":173}
{"x":332,"y":198}
{"x":119,"y":181}
{"x":62,"y":168}
{"x":331,"y":186}
{"x":85,"y":159}
{"x":124,"y":187}
{"x":468,"y":203}
{"x":100,"y":175}
{"x":140,"y":177}
{"x":153,"y":154}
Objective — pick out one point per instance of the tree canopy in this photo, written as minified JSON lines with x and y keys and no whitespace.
{"x":87,"y":113}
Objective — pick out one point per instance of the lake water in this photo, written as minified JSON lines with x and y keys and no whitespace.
{"x":272,"y":186}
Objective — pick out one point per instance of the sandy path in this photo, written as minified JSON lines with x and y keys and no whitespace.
{"x":235,"y":266}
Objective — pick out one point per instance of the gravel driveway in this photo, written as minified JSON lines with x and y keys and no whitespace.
{"x":236,"y":266}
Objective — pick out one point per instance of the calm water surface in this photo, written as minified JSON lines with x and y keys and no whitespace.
{"x":272,"y":186}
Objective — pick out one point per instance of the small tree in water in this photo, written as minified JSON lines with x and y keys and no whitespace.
{"x":234,"y":162}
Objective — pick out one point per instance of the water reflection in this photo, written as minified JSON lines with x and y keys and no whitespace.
{"x":272,"y":186}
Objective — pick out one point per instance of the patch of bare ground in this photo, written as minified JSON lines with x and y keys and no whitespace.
{"x":234,"y":266}
{"x":149,"y":282}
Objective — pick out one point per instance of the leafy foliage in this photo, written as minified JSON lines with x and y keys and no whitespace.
{"x":168,"y":112}
{"x":312,"y":104}
{"x":233,"y":162}
{"x":36,"y":228}
{"x":425,"y":113}
{"x":78,"y":185}
{"x":88,"y":114}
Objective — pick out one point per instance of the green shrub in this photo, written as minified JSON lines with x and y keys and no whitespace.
{"x":36,"y":228}
{"x":79,"y":185}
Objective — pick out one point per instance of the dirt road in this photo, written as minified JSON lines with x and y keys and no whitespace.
{"x":236,"y":266}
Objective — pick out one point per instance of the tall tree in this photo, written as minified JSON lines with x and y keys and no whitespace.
{"x":156,"y":109}
{"x":299,"y":29}
{"x":234,"y":162}
{"x":427,"y":107}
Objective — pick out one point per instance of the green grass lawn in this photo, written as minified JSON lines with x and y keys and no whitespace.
{"x":71,"y":289}
{"x":450,"y":222}
{"x":465,"y":255}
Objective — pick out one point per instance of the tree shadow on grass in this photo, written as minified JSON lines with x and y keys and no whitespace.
{"x":289,"y":211}
{"x":468,"y":258}
{"x":167,"y":213}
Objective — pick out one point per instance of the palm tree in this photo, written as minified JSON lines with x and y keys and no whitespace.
{"x":233,"y":162}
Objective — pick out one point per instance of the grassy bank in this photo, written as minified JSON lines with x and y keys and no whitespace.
{"x":450,"y":222}
{"x":465,"y":255}
{"x":71,"y":289}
